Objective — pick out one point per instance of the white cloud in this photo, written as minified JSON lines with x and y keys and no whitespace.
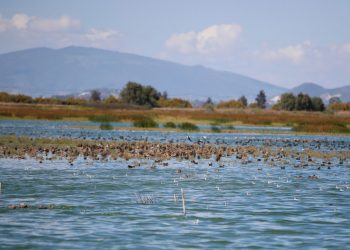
{"x":102,"y":38}
{"x":101,"y":35}
{"x":293,"y":53}
{"x":53,"y":25}
{"x":24,"y":31}
{"x":346,"y":48}
{"x":22,"y":22}
{"x":214,"y":39}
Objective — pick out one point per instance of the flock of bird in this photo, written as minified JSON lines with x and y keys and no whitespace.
{"x":192,"y":150}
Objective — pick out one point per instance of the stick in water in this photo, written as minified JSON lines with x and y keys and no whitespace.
{"x":183,"y":202}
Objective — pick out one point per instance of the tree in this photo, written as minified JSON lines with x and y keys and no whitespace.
{"x":261,"y":99}
{"x":208,"y":102}
{"x":95,"y":96}
{"x":303,"y":102}
{"x":317,"y":104}
{"x":165,"y":95}
{"x":208,"y":105}
{"x":334,"y":99}
{"x":243,"y":100}
{"x":151,"y":96}
{"x":287,"y":102}
{"x":135,"y":93}
{"x":21,"y":98}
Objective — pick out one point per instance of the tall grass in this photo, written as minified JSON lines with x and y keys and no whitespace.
{"x":322,"y":128}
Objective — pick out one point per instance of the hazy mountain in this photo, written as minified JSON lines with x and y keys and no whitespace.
{"x":310,"y":89}
{"x":313,"y":89}
{"x":43,"y":71}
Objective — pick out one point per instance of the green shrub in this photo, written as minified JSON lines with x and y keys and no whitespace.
{"x":106,"y":126}
{"x":103,"y":118}
{"x":188,"y":126}
{"x":230,"y":127}
{"x":215,"y":129}
{"x":169,"y":125}
{"x":145,"y":122}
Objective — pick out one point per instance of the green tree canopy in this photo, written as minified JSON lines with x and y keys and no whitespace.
{"x":95,"y":96}
{"x":303,"y":102}
{"x":287,"y":102}
{"x":209,"y":101}
{"x":317,"y":104}
{"x":261,"y":99}
{"x":135,"y":93}
{"x":243,"y":100}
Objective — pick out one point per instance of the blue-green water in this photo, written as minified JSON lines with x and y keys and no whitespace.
{"x":95,"y":204}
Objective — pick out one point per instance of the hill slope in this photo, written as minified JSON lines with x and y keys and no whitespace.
{"x":44,"y":71}
{"x":313,"y":89}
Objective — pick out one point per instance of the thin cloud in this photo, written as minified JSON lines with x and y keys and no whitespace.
{"x":345,"y":49}
{"x":55,"y":32}
{"x":214,"y":39}
{"x":292,"y":53}
{"x":22,"y":22}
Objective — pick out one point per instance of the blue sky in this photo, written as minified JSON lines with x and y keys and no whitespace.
{"x":282,"y":42}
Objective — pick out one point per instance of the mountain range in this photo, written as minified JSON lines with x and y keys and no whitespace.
{"x":76,"y":70}
{"x":313,"y":89}
{"x":46,"y":72}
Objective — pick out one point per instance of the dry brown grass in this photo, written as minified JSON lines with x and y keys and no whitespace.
{"x":302,"y":121}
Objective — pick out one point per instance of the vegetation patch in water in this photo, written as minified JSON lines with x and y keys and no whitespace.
{"x":215,"y":129}
{"x":230,"y":127}
{"x":188,"y":126}
{"x":106,"y":126}
{"x":103,"y":118}
{"x":145,"y":122}
{"x":169,"y":125}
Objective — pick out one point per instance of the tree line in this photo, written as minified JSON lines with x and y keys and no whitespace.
{"x":300,"y":102}
{"x":141,"y":95}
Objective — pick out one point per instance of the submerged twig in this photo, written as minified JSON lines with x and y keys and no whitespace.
{"x":183,"y":202}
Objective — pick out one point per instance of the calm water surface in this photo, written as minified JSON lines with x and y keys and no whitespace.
{"x":97,"y":204}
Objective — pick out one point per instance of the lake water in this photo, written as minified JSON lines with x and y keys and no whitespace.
{"x":100,"y":204}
